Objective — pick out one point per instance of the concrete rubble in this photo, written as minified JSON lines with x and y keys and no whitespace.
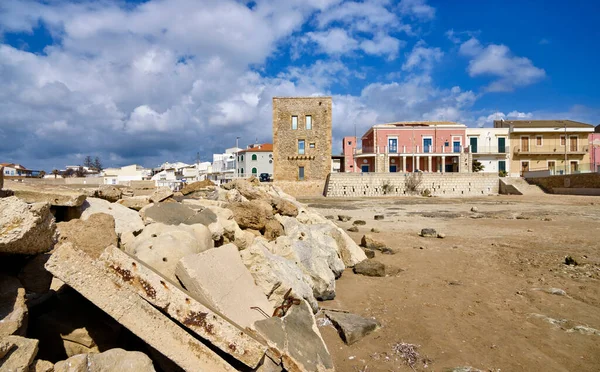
{"x":208,"y":279}
{"x":352,"y":327}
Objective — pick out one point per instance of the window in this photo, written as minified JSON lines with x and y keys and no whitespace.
{"x":242,"y":171}
{"x":312,"y":145}
{"x":294,"y":122}
{"x":538,"y":140}
{"x":349,"y":143}
{"x":308,"y":122}
{"x":300,"y":173}
{"x":254,"y":171}
{"x":254,"y":158}
{"x":300,"y":147}
{"x":242,"y":157}
{"x":562,"y":140}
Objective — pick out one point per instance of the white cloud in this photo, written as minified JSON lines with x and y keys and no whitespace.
{"x":417,"y":8}
{"x":422,"y":57}
{"x":334,"y":41}
{"x":498,"y":61}
{"x":382,"y":45}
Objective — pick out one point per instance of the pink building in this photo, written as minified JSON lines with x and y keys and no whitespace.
{"x":410,"y":146}
{"x":595,"y":150}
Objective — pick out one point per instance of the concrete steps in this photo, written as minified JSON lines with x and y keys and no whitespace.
{"x":518,"y":186}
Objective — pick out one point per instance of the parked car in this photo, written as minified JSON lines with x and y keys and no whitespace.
{"x":264,"y":177}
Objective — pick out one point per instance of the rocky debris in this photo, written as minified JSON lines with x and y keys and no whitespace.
{"x":275,"y":275}
{"x":182,"y":306}
{"x":387,"y":250}
{"x":56,"y":197}
{"x":353,"y":229}
{"x":352,"y":327}
{"x":284,"y":207}
{"x":273,"y":230}
{"x":474,"y":209}
{"x":91,"y":235}
{"x":359,"y":223}
{"x":441,"y":235}
{"x":25,"y":228}
{"x":428,"y":233}
{"x":344,"y":218}
{"x":196,"y":186}
{"x":368,"y":241}
{"x":135,"y":202}
{"x":378,"y":217}
{"x":369,"y":253}
{"x":12,"y":307}
{"x":160,"y":194}
{"x":34,"y":277}
{"x":348,"y":250}
{"x":571,"y":261}
{"x":554,"y":291}
{"x":19,"y":353}
{"x":370,"y":268}
{"x":80,"y":272}
{"x":584,"y":330}
{"x":251,"y":215}
{"x":126,"y":220}
{"x":111,"y":360}
{"x":375,"y":230}
{"x":330,"y":217}
{"x":246,"y":189}
{"x":109,"y":193}
{"x":40,"y":365}
{"x":234,"y":295}
{"x":297,"y":336}
{"x":162,"y":246}
{"x":176,"y":213}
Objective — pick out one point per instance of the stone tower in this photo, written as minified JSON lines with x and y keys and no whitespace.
{"x":301,"y":138}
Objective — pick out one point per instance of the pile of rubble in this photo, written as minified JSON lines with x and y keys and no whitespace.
{"x":206,"y":279}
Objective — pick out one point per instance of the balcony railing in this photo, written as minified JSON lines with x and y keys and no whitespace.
{"x":533,"y":149}
{"x":407,"y":150}
{"x":487,"y":149}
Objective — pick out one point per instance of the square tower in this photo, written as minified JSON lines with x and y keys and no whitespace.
{"x":301,"y":138}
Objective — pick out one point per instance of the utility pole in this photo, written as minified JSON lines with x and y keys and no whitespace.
{"x":237,"y":142}
{"x":565,"y":147}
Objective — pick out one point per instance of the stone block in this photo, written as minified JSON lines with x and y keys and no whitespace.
{"x":12,"y":307}
{"x":25,"y":228}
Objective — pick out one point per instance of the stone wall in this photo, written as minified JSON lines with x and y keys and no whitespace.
{"x":580,"y":181}
{"x":286,"y":160}
{"x":302,"y":189}
{"x":394,"y":184}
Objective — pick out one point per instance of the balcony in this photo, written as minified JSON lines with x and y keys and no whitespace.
{"x":550,"y":150}
{"x":407,"y":150}
{"x":487,"y":150}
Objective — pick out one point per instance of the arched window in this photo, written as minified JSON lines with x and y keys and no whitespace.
{"x":254,"y":157}
{"x":254,"y":171}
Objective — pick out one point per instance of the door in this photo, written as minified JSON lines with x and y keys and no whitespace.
{"x":502,"y":166}
{"x":501,"y":145}
{"x":300,"y":173}
{"x":393,"y":169}
{"x":574,"y":167}
{"x":525,"y":145}
{"x":427,"y":144}
{"x":573,"y":143}
{"x":552,"y":167}
{"x":393,"y":145}
{"x":456,"y":146}
{"x":364,"y":168}
{"x":524,"y":167}
{"x":473,"y":144}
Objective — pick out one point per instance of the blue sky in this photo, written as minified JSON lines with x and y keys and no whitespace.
{"x":160,"y":80}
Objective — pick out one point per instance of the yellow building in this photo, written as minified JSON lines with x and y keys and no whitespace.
{"x":556,"y":146}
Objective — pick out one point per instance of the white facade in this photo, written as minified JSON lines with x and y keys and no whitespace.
{"x":115,"y":176}
{"x":491,"y":147}
{"x":256,"y":160}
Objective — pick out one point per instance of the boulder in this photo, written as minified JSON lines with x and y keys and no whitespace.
{"x":370,"y":268}
{"x":344,"y":218}
{"x":109,"y":193}
{"x":284,"y":207}
{"x":250,"y":215}
{"x":246,"y":189}
{"x":311,"y":218}
{"x":126,"y":220}
{"x":353,"y":229}
{"x":176,"y":213}
{"x":234,"y":196}
{"x":160,"y":194}
{"x":233,"y":295}
{"x":369,"y":253}
{"x":110,"y":360}
{"x":19,"y":353}
{"x":56,"y":197}
{"x":203,"y":203}
{"x":196,"y":186}
{"x":296,"y":335}
{"x":273,"y":230}
{"x":368,"y":241}
{"x":359,"y":223}
{"x":135,"y":202}
{"x":33,"y":275}
{"x":40,"y":365}
{"x":351,"y":327}
{"x":162,"y":246}
{"x":379,"y":217}
{"x":428,"y":233}
{"x":13,"y":309}
{"x":375,"y":230}
{"x":91,"y":235}
{"x":25,"y":228}
{"x":348,"y":250}
{"x":275,"y":275}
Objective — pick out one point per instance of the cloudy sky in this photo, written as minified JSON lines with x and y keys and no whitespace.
{"x":160,"y":80}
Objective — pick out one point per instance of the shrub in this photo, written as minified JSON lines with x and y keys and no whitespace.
{"x":413,"y":181}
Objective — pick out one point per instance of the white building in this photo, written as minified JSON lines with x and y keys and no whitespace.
{"x":254,"y":160}
{"x":491,"y":147}
{"x":134,"y":172}
{"x":224,"y":166}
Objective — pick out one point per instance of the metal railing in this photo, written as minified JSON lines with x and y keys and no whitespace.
{"x":487,"y":149}
{"x":533,"y":149}
{"x":408,"y":150}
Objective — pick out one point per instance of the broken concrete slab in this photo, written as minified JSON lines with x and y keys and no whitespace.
{"x":13,"y":309}
{"x":368,"y":241}
{"x":160,"y":194}
{"x":135,"y":202}
{"x":197,"y":186}
{"x":126,"y":220}
{"x":20,"y":353}
{"x":296,"y":335}
{"x":109,"y":193}
{"x":234,"y":295}
{"x":176,"y":213}
{"x":110,"y":360}
{"x":25,"y":228}
{"x":40,"y":365}
{"x":80,"y":272}
{"x":91,"y":235}
{"x":55,"y":196}
{"x":352,"y":327}
{"x":203,"y":320}
{"x":370,"y":268}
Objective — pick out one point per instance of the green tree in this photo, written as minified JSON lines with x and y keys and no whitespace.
{"x":80,"y":172}
{"x":68,"y":173}
{"x":87,"y":162}
{"x":55,"y":172}
{"x":477,"y":166}
{"x":97,"y":164}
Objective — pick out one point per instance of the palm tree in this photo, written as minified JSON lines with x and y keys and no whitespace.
{"x":55,"y":172}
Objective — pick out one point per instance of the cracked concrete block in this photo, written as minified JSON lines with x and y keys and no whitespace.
{"x":91,"y":280}
{"x":20,"y":352}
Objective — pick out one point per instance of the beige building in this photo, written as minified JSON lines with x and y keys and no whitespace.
{"x":301,"y":138}
{"x":552,"y":146}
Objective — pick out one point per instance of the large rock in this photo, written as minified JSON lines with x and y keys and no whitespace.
{"x":196,"y":186}
{"x":234,"y":294}
{"x":352,"y":327}
{"x":296,"y":335}
{"x":246,"y":189}
{"x":34,"y":276}
{"x":275,"y":275}
{"x":13,"y":310}
{"x":126,"y":220}
{"x":370,"y":268}
{"x":90,"y":278}
{"x":40,"y":365}
{"x":250,"y":215}
{"x":176,"y":213}
{"x":428,"y":233}
{"x":284,"y":207}
{"x":161,"y":194}
{"x":111,"y":360}
{"x":162,"y":246}
{"x":349,"y":251}
{"x":368,"y":241}
{"x":273,"y":230}
{"x":91,"y":235}
{"x":135,"y":202}
{"x":109,"y":193}
{"x":56,"y":197}
{"x":20,"y":355}
{"x":25,"y":228}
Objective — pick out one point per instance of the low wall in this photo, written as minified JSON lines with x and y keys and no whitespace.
{"x":577,"y":191}
{"x":576,"y":181}
{"x":394,"y":184}
{"x":302,"y":188}
{"x":62,"y":181}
